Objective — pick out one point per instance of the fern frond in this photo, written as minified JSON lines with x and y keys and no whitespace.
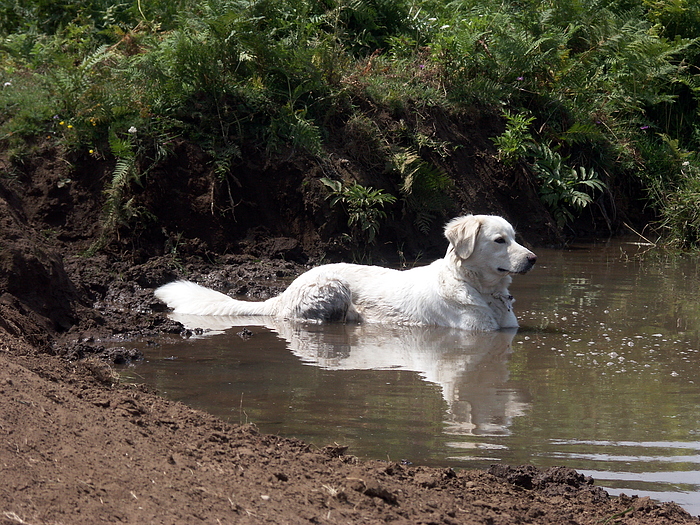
{"x":424,"y":188}
{"x":120,"y":147}
{"x":581,"y":132}
{"x":561,"y":186}
{"x":99,"y":55}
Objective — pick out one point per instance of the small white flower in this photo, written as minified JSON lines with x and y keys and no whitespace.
{"x":7,"y":84}
{"x":132,"y":130}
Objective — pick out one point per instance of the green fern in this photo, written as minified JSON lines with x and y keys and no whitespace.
{"x":424,"y":188}
{"x":515,"y":142}
{"x":582,"y":132}
{"x":565,"y":190}
{"x":364,"y":208}
{"x":122,"y":148}
{"x":295,"y":128}
{"x":117,"y":210}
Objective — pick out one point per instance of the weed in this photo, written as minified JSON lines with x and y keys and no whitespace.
{"x":516,"y":141}
{"x":364,"y":208}
{"x":565,"y":190}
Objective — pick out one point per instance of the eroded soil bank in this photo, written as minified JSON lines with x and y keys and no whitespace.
{"x":77,"y":447}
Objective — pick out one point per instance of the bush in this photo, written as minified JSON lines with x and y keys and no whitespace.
{"x":364,"y":208}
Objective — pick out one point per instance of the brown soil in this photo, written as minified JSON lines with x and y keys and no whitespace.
{"x":78,"y":447}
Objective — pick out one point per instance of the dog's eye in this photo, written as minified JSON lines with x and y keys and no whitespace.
{"x":499,"y":240}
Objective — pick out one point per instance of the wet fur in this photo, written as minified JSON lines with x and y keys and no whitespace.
{"x":467,"y":289}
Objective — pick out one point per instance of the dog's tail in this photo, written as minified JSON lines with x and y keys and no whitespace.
{"x":186,"y":297}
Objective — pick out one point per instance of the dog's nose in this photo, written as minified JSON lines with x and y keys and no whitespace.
{"x":532,"y":258}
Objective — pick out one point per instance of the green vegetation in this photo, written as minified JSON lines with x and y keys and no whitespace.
{"x":597,"y":93}
{"x":424,"y":188}
{"x":562,"y":188}
{"x":515,"y":143}
{"x":364,"y":208}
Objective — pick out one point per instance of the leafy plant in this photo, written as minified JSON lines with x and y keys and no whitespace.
{"x":675,"y":188}
{"x":681,"y":211}
{"x":364,"y":207}
{"x":117,"y":210}
{"x":424,"y":188}
{"x":516,"y":141}
{"x":294,"y":127}
{"x":565,"y":190}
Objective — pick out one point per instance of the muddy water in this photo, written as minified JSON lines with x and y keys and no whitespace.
{"x":603,"y":376}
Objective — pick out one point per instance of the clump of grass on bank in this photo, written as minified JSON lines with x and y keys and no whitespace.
{"x":606,"y":89}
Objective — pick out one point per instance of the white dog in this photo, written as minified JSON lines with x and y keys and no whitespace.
{"x":466,"y":289}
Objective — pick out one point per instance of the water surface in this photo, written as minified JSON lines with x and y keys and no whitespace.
{"x":603,"y":376}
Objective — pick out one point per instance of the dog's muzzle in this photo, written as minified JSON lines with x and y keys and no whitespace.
{"x":524,"y":267}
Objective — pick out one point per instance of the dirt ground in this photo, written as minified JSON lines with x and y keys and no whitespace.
{"x":78,"y":447}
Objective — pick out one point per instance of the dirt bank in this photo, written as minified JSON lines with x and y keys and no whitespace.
{"x":77,"y":447}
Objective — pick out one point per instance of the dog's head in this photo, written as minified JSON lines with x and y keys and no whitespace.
{"x":486,"y":244}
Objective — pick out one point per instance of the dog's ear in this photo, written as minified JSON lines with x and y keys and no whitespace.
{"x":462,"y":233}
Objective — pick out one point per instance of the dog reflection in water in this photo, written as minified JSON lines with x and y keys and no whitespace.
{"x":470,"y":367}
